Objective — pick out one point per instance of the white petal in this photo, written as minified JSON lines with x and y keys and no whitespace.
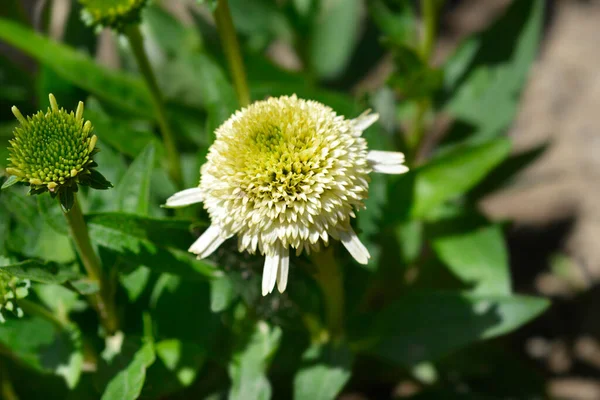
{"x":387,"y":162}
{"x":284,"y":266}
{"x":185,"y":197}
{"x":208,"y":242}
{"x":355,"y":247}
{"x":365,"y":120}
{"x":270,"y":273}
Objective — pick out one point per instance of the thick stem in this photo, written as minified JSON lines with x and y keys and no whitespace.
{"x":136,"y":40}
{"x":329,"y":278}
{"x":103,"y":300}
{"x":232,"y":51}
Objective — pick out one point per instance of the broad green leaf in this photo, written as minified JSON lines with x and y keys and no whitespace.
{"x":333,"y":37}
{"x":122,"y":90}
{"x":135,"y":281}
{"x":324,"y":371}
{"x":261,"y":21}
{"x":417,"y":193}
{"x":133,"y":191}
{"x":39,"y":271}
{"x":484,"y":78}
{"x":507,"y":171}
{"x":127,"y":385}
{"x":476,"y":254}
{"x":45,"y":347}
{"x":399,"y":26}
{"x":119,"y":135}
{"x":250,"y":362}
{"x":222,"y":294}
{"x":425,"y":326}
{"x":155,"y":243}
{"x":52,"y":214}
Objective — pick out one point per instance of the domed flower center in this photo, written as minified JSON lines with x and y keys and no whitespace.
{"x":52,"y":147}
{"x":114,"y":13}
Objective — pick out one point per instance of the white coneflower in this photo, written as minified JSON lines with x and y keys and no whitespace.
{"x":286,"y":172}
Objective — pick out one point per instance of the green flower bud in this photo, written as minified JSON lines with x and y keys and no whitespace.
{"x":11,"y":289}
{"x":52,"y":152}
{"x":116,"y":14}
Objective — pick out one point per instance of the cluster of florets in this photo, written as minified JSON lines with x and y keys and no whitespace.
{"x":12,"y":289}
{"x":116,"y":14}
{"x":52,"y":152}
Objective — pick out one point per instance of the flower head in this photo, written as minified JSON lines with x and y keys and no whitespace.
{"x":11,"y":289}
{"x":286,"y":173}
{"x":116,"y":14}
{"x":53,"y":151}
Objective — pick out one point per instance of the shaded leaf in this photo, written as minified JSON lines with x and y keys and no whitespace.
{"x":476,"y":253}
{"x":484,"y":78}
{"x":133,"y":191}
{"x":249,"y":364}
{"x":9,"y":182}
{"x":39,"y":271}
{"x":324,"y":371}
{"x":418,"y":193}
{"x":127,"y":385}
{"x":405,"y":333}
{"x":333,"y":37}
{"x":122,"y":90}
{"x":155,"y":243}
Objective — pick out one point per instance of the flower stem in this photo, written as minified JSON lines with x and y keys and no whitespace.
{"x":103,"y":300}
{"x":329,"y":278}
{"x":232,"y":51}
{"x":429,"y":9}
{"x":136,"y":40}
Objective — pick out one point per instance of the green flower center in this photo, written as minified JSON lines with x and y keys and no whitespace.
{"x":113,"y":13}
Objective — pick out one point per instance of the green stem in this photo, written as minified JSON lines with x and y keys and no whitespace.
{"x":429,"y":20}
{"x":103,"y":301}
{"x":232,"y":51}
{"x":329,"y":278}
{"x":430,"y":10}
{"x":136,"y":40}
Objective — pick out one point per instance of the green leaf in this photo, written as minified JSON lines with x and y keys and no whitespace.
{"x":484,"y":78}
{"x":222,"y":294}
{"x":52,"y":214}
{"x":119,"y":135}
{"x":413,"y":78}
{"x":39,"y":271}
{"x":133,"y":191}
{"x":426,"y":326}
{"x":250,"y":361}
{"x":127,"y":385}
{"x":66,"y":197}
{"x":506,"y":171}
{"x":183,"y":359}
{"x":399,"y":26}
{"x":45,"y":347}
{"x":324,"y":371}
{"x":475,"y":253}
{"x":417,"y":194}
{"x":122,"y":90}
{"x":155,"y":243}
{"x":9,"y":182}
{"x":333,"y":37}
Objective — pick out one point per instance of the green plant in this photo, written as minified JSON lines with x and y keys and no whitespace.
{"x":128,"y":312}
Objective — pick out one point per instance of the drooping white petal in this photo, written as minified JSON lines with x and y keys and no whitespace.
{"x":208,"y":242}
{"x":387,"y":162}
{"x":284,"y":265}
{"x":355,"y":247}
{"x":365,"y":120}
{"x":184,"y":198}
{"x":270,"y":273}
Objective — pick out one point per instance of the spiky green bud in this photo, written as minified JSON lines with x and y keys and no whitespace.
{"x":116,"y":14}
{"x":52,"y":152}
{"x":11,"y":289}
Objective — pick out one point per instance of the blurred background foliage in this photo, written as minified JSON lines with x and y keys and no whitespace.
{"x":422,"y":317}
